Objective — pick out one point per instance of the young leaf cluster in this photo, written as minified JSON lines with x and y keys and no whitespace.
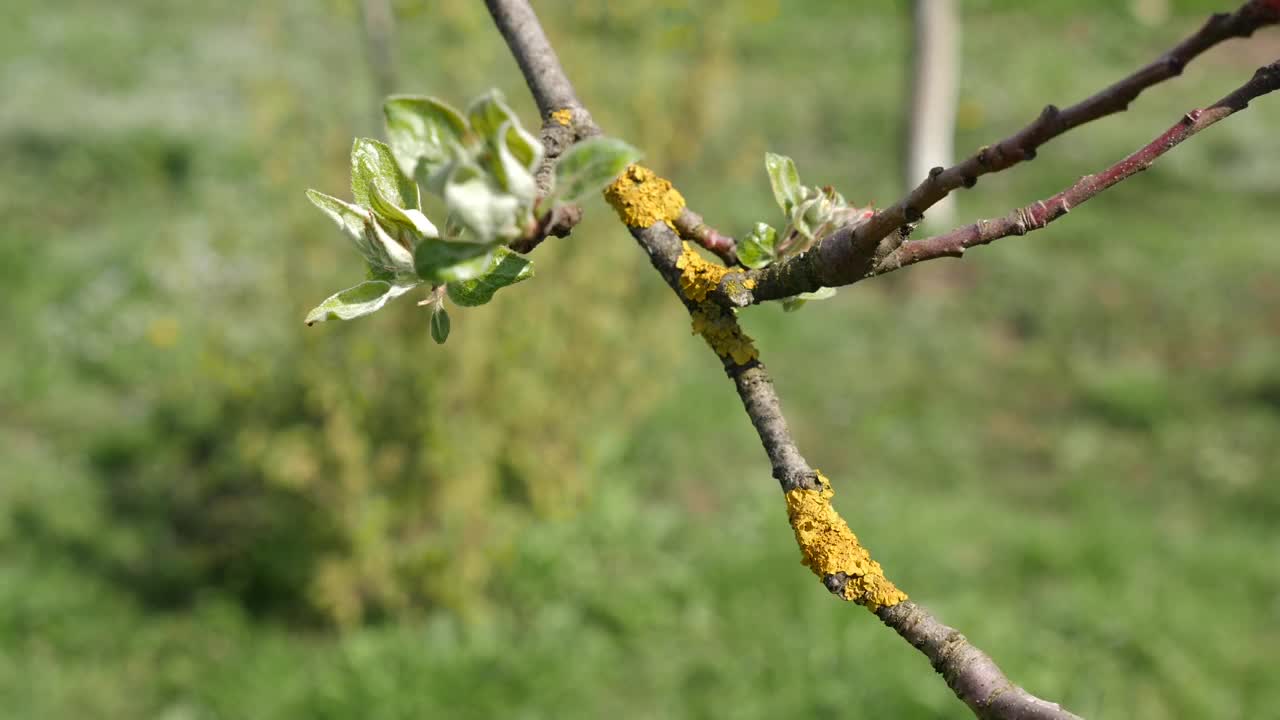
{"x":810,"y":213}
{"x":481,"y":163}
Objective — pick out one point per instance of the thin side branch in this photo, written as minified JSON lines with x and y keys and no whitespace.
{"x":847,"y":256}
{"x":1039,"y":214}
{"x":690,"y":226}
{"x":972,"y":675}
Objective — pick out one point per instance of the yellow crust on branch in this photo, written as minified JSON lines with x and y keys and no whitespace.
{"x":564,"y":116}
{"x":721,"y":331}
{"x":641,"y":198}
{"x":828,"y":546}
{"x":700,"y":277}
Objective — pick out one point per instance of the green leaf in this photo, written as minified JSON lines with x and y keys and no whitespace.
{"x":410,"y":218}
{"x":440,"y":261}
{"x":524,"y":146}
{"x":823,"y":293}
{"x":480,"y":206}
{"x":426,"y":135}
{"x":590,"y":165}
{"x":488,"y":112}
{"x":506,"y":268}
{"x":756,"y":250}
{"x":365,"y":298}
{"x":439,"y":324}
{"x":378,"y":183}
{"x":796,"y":302}
{"x":818,"y":210}
{"x":351,"y":218}
{"x":785,"y":181}
{"x":510,"y":171}
{"x":390,"y":254}
{"x":800,"y":217}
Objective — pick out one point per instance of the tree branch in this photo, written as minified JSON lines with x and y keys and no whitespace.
{"x":1041,"y":213}
{"x":969,"y":672}
{"x":690,"y":226}
{"x":848,"y":255}
{"x":828,"y":547}
{"x":538,"y":62}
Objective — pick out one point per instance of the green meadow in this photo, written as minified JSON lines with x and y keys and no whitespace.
{"x":1064,"y":444}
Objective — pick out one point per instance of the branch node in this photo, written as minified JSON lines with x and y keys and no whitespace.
{"x":969,"y":181}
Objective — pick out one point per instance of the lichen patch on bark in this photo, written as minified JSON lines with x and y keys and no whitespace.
{"x":699,"y":277}
{"x":642,"y":198}
{"x":828,"y":547}
{"x":564,"y":116}
{"x":720,"y":329}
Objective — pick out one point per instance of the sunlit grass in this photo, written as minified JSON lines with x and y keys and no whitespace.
{"x":1063,"y":444}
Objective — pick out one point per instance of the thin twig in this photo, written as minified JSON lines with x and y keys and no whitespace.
{"x":690,"y":226}
{"x":848,"y":255}
{"x":1039,"y":214}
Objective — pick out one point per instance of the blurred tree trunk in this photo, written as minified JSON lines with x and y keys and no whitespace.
{"x":931,"y":110}
{"x":379,"y":38}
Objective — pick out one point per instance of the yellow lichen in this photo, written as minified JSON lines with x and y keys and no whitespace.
{"x":641,"y":198}
{"x":564,"y":116}
{"x":828,"y":547}
{"x":720,"y":329}
{"x":699,"y":277}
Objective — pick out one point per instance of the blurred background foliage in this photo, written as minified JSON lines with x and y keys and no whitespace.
{"x":1065,"y":444}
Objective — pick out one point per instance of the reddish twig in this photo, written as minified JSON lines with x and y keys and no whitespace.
{"x":691,"y":227}
{"x":1039,"y":214}
{"x":848,"y":255}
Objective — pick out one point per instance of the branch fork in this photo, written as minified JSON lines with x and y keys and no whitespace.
{"x":712,"y":293}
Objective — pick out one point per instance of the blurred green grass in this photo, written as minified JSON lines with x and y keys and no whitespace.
{"x":1063,"y":444}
